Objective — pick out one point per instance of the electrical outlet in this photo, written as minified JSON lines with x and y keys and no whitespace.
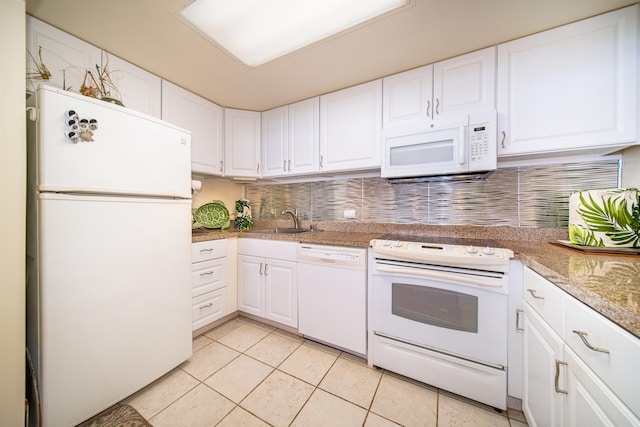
{"x":349,"y":213}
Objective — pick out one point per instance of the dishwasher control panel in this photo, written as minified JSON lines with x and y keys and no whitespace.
{"x":336,"y":255}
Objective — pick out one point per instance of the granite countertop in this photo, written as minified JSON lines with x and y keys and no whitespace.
{"x":609,"y":284}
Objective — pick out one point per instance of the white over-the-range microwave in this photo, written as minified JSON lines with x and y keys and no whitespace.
{"x":466,"y":143}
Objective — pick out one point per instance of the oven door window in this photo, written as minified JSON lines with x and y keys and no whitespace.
{"x":434,"y":306}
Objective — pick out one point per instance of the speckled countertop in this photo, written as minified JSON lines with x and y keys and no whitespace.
{"x":610,"y":284}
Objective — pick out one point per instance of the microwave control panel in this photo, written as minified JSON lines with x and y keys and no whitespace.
{"x":478,"y":142}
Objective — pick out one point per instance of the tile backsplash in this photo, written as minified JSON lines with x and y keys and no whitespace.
{"x":523,"y":196}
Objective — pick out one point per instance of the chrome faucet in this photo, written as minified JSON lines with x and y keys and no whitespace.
{"x":293,"y":216}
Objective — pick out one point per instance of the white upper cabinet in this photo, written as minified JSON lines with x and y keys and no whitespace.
{"x":435,"y":92}
{"x":407,"y":97}
{"x":65,"y":56}
{"x":572,"y":88}
{"x":242,"y":143}
{"x":203,"y":119}
{"x":275,"y":141}
{"x":304,"y":136}
{"x":291,"y":139}
{"x":139,"y":89}
{"x":350,"y":127}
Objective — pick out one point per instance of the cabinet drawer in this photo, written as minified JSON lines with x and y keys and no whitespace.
{"x":545,"y":298}
{"x":208,"y":276}
{"x":210,"y":249}
{"x":619,"y":367}
{"x":268,"y":248}
{"x":208,"y":308}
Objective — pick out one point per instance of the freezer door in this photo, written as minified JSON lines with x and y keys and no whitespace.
{"x":115,"y":299}
{"x":130,"y":153}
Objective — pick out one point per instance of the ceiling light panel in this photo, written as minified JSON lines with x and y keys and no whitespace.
{"x":258,"y":31}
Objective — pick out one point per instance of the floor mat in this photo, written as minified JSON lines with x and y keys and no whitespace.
{"x":117,"y":416}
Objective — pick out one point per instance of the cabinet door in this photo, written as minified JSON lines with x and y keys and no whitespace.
{"x":464,"y":84}
{"x":304,"y":136}
{"x":251,"y":285}
{"x":542,"y":405}
{"x":281,"y":297}
{"x":275,"y":142}
{"x":570,"y":88}
{"x":67,"y":57}
{"x":242,"y":143}
{"x":138,"y":89}
{"x":203,"y":119}
{"x":350,"y":126}
{"x":407,"y":98}
{"x":589,"y":401}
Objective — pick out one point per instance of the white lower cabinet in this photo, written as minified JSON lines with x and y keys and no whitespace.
{"x":208,"y":281}
{"x":542,"y":405}
{"x":267,"y":280}
{"x":569,"y":381}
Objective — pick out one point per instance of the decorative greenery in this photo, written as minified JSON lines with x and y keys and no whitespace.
{"x":244,"y":221}
{"x":613,"y":216}
{"x":582,"y":236}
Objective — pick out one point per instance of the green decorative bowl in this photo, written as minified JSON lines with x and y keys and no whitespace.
{"x":213,"y":215}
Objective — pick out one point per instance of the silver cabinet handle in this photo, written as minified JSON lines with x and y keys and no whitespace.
{"x":533,"y":294}
{"x":518,"y":313}
{"x":428,"y":107}
{"x":504,"y":136}
{"x":258,"y":169}
{"x":221,"y":165}
{"x":261,"y":268}
{"x":206,"y":306}
{"x":583,"y":337}
{"x":289,"y":165}
{"x":284,"y":165}
{"x":321,"y":161}
{"x":206,"y":250}
{"x":437,"y":106}
{"x":266,"y":269}
{"x":558,"y":389}
{"x":205,"y":273}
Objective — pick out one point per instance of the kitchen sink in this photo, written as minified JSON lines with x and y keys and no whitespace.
{"x":282,"y":231}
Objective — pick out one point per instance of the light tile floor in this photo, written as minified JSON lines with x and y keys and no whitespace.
{"x":246,"y":373}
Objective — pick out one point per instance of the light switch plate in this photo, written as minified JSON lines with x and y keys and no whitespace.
{"x":349,"y":213}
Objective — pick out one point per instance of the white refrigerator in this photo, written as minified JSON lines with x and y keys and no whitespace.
{"x":108,"y":252}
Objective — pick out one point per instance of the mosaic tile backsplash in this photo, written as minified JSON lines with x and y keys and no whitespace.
{"x":524,"y":196}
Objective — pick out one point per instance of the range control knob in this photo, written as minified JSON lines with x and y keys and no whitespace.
{"x":397,"y":244}
{"x":488,"y":251}
{"x":471,"y":250}
{"x":386,"y":243}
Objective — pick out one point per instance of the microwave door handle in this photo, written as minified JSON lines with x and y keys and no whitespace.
{"x":461,"y":145}
{"x":480,"y":281}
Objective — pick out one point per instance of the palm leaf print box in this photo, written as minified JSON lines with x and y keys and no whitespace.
{"x":605,"y":218}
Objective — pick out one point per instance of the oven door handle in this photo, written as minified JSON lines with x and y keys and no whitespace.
{"x":482,"y":281}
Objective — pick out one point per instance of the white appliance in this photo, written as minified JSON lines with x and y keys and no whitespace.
{"x":438,"y":314}
{"x":332,"y":295}
{"x":109,"y":260}
{"x":462,"y":145}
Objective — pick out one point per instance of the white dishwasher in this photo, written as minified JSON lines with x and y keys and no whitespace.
{"x":332,"y":296}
